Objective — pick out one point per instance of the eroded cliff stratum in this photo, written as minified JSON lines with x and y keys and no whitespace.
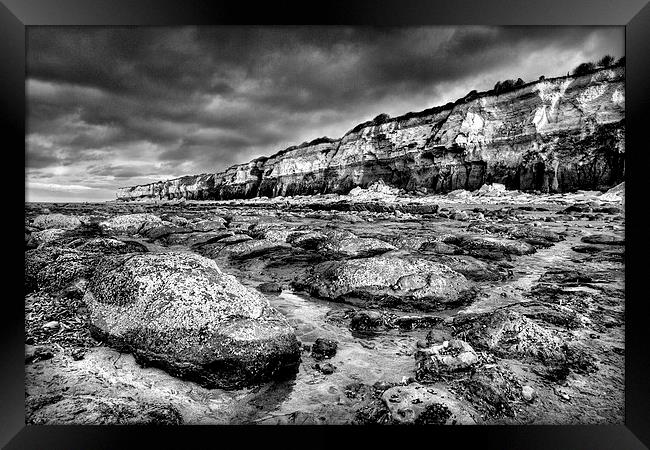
{"x":552,"y":135}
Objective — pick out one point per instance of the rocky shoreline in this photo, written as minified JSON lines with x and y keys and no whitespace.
{"x":380,"y":306}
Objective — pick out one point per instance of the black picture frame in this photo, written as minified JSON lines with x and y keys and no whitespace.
{"x":16,"y":15}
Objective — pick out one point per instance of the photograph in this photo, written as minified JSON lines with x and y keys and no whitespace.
{"x":325,"y":225}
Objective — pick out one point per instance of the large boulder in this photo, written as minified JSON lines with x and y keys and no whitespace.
{"x":61,"y":221}
{"x":421,"y":283}
{"x":180,"y":312}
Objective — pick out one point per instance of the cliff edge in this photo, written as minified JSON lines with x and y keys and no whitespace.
{"x":552,"y":135}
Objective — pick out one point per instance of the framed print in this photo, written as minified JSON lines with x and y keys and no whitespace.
{"x":390,"y":220}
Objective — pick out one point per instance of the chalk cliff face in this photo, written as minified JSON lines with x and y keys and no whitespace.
{"x":552,"y":135}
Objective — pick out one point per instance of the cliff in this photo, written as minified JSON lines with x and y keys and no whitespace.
{"x":554,"y":135}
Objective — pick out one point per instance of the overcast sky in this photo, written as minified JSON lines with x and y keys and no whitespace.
{"x":111,"y":107}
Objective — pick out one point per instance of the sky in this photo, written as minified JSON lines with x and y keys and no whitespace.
{"x":117,"y":106}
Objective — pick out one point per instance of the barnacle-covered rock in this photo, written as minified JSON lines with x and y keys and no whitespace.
{"x":180,"y":312}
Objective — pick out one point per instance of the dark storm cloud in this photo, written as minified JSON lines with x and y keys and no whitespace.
{"x":40,"y":158}
{"x":117,"y":171}
{"x":168,"y":101}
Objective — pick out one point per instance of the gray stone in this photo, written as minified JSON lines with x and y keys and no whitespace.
{"x":445,"y":359}
{"x":323,"y":348}
{"x":419,"y":404}
{"x":424,"y":282}
{"x":180,"y":312}
{"x":528,"y":393}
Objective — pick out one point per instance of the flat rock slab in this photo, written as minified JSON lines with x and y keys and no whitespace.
{"x":603,"y":239}
{"x":495,"y":244}
{"x":416,"y":280}
{"x":419,"y":404}
{"x":180,"y":312}
{"x":96,"y":410}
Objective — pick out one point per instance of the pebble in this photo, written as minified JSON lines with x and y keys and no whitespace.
{"x":563,"y":395}
{"x":53,"y":325}
{"x":326,"y":368}
{"x":528,"y":393}
{"x":323,"y":348}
